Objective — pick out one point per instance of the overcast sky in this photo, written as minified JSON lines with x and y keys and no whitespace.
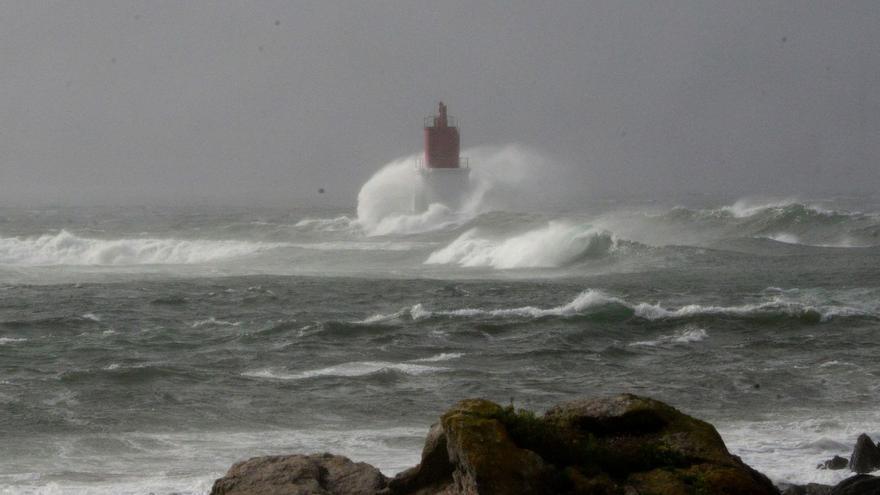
{"x":147,"y":101}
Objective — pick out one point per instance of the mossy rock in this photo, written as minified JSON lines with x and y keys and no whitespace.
{"x":486,"y":458}
{"x":638,"y":428}
{"x":623,"y":445}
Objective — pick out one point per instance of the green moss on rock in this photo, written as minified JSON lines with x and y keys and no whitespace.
{"x":621,"y":445}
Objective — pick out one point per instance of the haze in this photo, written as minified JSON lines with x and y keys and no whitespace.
{"x":266,"y":102}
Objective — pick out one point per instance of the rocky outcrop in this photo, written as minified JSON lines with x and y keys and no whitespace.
{"x":866,"y":455}
{"x":861,"y":484}
{"x":836,"y":462}
{"x":808,"y":489}
{"x":319,"y":474}
{"x":623,"y":445}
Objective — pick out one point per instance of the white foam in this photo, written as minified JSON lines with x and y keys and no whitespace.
{"x":686,"y":336}
{"x":215,"y":322}
{"x":11,"y":340}
{"x":382,"y":318}
{"x":786,"y":238}
{"x":554,"y":245}
{"x":775,"y":306}
{"x":788,"y":449}
{"x":586,"y":300}
{"x":591,"y":299}
{"x":187,"y":463}
{"x":361,"y":246}
{"x":341,"y":223}
{"x":91,"y":317}
{"x":65,"y":248}
{"x":353,"y":369}
{"x":747,"y":207}
{"x":444,"y":356}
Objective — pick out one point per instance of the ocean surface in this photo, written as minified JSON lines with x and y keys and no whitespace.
{"x":144,"y":350}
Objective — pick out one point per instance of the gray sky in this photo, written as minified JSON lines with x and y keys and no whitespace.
{"x":150,"y":101}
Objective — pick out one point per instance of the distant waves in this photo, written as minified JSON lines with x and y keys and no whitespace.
{"x":66,"y":248}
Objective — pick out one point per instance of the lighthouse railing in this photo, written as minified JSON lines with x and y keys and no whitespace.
{"x":450,"y":121}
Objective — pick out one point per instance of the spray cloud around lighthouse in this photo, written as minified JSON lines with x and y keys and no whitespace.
{"x":439,"y":188}
{"x":500,"y":179}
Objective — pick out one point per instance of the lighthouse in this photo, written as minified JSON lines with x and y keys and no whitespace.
{"x":443,"y":179}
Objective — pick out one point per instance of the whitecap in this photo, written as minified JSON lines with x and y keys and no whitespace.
{"x":352,"y":369}
{"x":381,"y":318}
{"x":337,"y":224}
{"x":11,"y":340}
{"x":555,"y":245}
{"x":686,"y":336}
{"x":66,"y":248}
{"x":215,"y":322}
{"x":592,"y":300}
{"x":444,"y":356}
{"x":584,"y":301}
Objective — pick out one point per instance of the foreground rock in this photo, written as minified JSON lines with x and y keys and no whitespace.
{"x":808,"y":489}
{"x":320,"y":474}
{"x":623,"y":445}
{"x":866,"y":455}
{"x":861,"y":484}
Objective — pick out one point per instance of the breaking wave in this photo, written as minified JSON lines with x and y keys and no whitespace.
{"x":595,"y":302}
{"x":443,"y":356}
{"x":65,"y":248}
{"x":555,"y":245}
{"x":686,"y":336}
{"x":353,"y":369}
{"x":499,"y":176}
{"x":788,"y":221}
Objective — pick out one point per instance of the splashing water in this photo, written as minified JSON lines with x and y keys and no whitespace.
{"x":499,"y":179}
{"x":555,"y":245}
{"x":66,"y":248}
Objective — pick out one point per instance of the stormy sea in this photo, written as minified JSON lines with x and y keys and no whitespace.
{"x":145,"y":349}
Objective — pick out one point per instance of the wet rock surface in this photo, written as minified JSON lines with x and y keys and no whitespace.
{"x":808,"y":489}
{"x":836,"y":462}
{"x":319,"y":474}
{"x":861,"y":484}
{"x":616,"y":445}
{"x":866,"y":455}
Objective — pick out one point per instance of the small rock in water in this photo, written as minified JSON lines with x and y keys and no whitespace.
{"x":836,"y":462}
{"x":866,"y":455}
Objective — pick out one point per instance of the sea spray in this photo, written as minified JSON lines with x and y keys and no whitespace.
{"x":505,"y":177}
{"x":554,"y":245}
{"x":66,"y":248}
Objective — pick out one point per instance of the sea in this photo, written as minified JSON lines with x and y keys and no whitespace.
{"x":144,"y":349}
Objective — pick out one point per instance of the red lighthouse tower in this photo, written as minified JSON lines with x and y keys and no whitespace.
{"x":443,"y":180}
{"x":442,"y":142}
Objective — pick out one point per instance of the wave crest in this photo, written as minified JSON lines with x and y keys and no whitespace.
{"x":555,"y":245}
{"x":595,"y":302}
{"x":65,"y":248}
{"x":348,"y":370}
